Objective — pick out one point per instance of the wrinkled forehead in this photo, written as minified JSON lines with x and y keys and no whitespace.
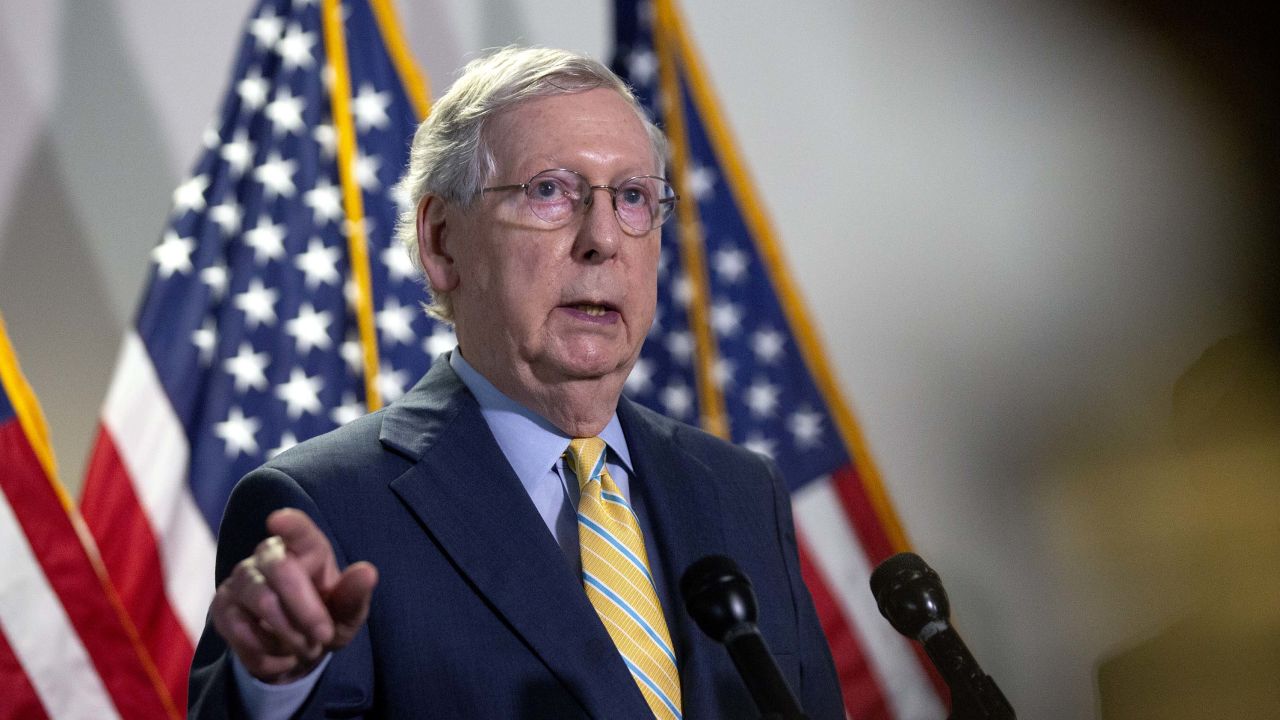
{"x":596,"y":125}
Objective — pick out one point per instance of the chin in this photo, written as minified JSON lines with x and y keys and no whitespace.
{"x":595,"y":368}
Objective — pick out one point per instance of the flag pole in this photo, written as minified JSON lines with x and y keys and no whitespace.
{"x":335,"y":46}
{"x":689,"y":227}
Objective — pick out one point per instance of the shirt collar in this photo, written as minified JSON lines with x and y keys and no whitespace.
{"x":530,"y":442}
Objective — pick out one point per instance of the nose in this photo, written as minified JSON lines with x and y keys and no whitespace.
{"x":599,"y":233}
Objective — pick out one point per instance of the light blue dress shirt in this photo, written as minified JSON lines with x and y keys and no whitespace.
{"x":535,"y":450}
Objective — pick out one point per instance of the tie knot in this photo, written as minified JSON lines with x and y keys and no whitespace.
{"x":585,"y":457}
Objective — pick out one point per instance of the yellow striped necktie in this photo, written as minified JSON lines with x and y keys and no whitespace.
{"x":615,"y":573}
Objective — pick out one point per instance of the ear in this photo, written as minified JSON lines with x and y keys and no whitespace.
{"x":433,"y":244}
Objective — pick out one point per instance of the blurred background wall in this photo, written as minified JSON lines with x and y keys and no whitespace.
{"x":1016,"y":225}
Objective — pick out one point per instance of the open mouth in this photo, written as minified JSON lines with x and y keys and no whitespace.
{"x":591,"y":309}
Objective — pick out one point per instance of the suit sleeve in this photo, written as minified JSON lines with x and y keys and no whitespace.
{"x":819,"y":691}
{"x":213,"y":692}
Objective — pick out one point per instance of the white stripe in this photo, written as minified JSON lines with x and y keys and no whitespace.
{"x":648,"y":648}
{"x":836,"y":551}
{"x":649,"y":595}
{"x":155,"y":452}
{"x":37,"y":627}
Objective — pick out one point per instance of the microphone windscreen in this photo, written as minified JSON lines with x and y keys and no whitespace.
{"x":718,"y":596}
{"x":909,"y":594}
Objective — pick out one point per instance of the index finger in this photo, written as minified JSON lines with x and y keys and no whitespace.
{"x":304,"y":540}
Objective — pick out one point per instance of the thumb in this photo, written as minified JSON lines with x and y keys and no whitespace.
{"x":348,"y":601}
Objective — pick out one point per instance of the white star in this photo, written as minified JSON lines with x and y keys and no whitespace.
{"x":190,"y":194}
{"x":370,"y":108}
{"x":353,"y":353}
{"x":640,"y":380}
{"x":396,"y":322}
{"x":238,"y":432}
{"x":682,"y":290}
{"x":252,"y":90}
{"x":680,"y":345}
{"x":324,"y":136}
{"x":725,"y":318}
{"x":677,"y":399}
{"x":722,"y":372}
{"x":642,"y":65}
{"x":319,"y":263}
{"x":228,"y":216}
{"x":238,"y":153}
{"x":210,"y":137}
{"x":806,"y":426}
{"x":266,"y":28}
{"x":367,"y":167}
{"x":310,"y":329}
{"x":276,"y":176}
{"x":258,"y":304}
{"x":287,"y":440}
{"x":325,"y":201}
{"x":295,"y":48}
{"x":391,"y":382}
{"x":301,"y":394}
{"x":699,"y":181}
{"x":441,"y":341}
{"x":349,"y":410}
{"x":248,"y":368}
{"x":760,"y":445}
{"x":767,"y":345}
{"x":206,"y":339}
{"x":266,"y":239}
{"x":173,"y":254}
{"x":399,"y":266}
{"x":730,"y":264}
{"x":285,"y":112}
{"x":215,"y":276}
{"x":762,"y":398}
{"x":400,"y":195}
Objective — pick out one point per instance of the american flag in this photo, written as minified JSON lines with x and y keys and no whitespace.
{"x":67,"y":649}
{"x":277,"y":299}
{"x":733,"y":351}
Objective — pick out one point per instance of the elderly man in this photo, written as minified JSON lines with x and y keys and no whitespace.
{"x":512,"y":530}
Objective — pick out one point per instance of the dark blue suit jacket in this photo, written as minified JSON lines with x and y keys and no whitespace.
{"x":477,"y":613}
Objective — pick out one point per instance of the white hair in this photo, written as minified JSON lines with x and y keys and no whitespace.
{"x":450,"y":158}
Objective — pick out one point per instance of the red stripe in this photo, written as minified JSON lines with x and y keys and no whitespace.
{"x":877,"y":546}
{"x":863,"y":696}
{"x":862,"y":514}
{"x":132,"y":557}
{"x":19,"y":700}
{"x":75,"y":580}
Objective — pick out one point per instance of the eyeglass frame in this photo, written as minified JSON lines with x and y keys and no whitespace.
{"x":588,"y":198}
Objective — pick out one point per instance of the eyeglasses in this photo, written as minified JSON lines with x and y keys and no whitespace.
{"x":641,"y":203}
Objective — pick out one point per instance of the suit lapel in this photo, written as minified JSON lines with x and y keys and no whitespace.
{"x":684,"y":510}
{"x":469,"y":500}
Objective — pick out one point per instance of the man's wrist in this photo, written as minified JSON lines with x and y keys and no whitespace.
{"x":275,"y":700}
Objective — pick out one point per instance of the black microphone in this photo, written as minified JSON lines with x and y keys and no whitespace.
{"x":719,"y":597}
{"x":910,"y":596}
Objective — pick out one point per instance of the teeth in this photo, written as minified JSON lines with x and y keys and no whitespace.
{"x":592,"y":310}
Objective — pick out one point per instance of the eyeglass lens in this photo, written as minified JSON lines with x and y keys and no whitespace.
{"x":641,"y":203}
